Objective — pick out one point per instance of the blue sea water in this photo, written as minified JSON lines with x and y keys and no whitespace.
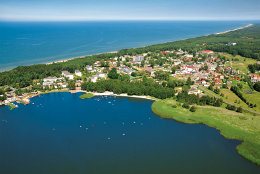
{"x":59,"y":133}
{"x":24,"y":43}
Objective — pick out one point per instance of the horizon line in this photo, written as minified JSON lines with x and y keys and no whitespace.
{"x":127,"y":19}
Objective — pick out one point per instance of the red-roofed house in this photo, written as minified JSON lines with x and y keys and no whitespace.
{"x":207,"y":52}
{"x":255,"y":78}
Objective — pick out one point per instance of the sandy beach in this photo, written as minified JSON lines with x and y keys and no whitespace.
{"x":107,"y":93}
{"x":240,"y":28}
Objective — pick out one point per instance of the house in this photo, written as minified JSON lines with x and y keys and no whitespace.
{"x":127,"y":70}
{"x":255,"y":78}
{"x":204,"y":83}
{"x":138,"y":59}
{"x":231,"y":44}
{"x":179,"y":52}
{"x":148,"y":69}
{"x":189,"y":56}
{"x":177,"y":62}
{"x":207,"y":52}
{"x":194,"y":92}
{"x":89,"y":68}
{"x":49,"y":81}
{"x":212,"y":67}
{"x":187,"y":69}
{"x":217,"y":81}
{"x":101,"y":75}
{"x":67,"y":75}
{"x":95,"y":78}
{"x":78,"y":73}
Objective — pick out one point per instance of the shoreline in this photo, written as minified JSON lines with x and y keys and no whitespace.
{"x":27,"y":99}
{"x":62,"y":60}
{"x":236,"y":29}
{"x":107,"y":93}
{"x":225,"y":122}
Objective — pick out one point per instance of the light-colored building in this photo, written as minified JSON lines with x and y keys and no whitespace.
{"x":78,"y":73}
{"x":49,"y":81}
{"x":255,"y":78}
{"x":138,"y":59}
{"x":127,"y":70}
{"x":89,"y":68}
{"x":67,"y":75}
{"x":95,"y":78}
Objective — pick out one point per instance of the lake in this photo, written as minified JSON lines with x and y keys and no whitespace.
{"x":60,"y":133}
{"x":25,"y":43}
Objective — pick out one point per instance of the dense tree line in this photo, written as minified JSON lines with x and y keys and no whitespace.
{"x":235,"y":89}
{"x":131,"y":88}
{"x":257,"y":86}
{"x":2,"y":95}
{"x":234,"y":108}
{"x":254,"y":67}
{"x":184,"y":97}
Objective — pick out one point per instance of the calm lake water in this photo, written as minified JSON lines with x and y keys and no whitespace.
{"x":59,"y":133}
{"x":24,"y":43}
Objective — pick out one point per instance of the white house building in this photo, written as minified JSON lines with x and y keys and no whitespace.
{"x":49,"y":81}
{"x":78,"y":73}
{"x":67,"y":75}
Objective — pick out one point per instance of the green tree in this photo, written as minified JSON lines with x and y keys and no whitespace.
{"x":161,"y":75}
{"x":193,"y":109}
{"x":185,"y":105}
{"x":257,"y":86}
{"x":71,"y":85}
{"x":113,"y":74}
{"x":124,"y":77}
{"x":2,"y":95}
{"x":189,"y":82}
{"x":142,"y":63}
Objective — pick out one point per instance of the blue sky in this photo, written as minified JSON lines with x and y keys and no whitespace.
{"x":69,"y":10}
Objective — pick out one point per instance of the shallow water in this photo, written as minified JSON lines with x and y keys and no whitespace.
{"x":60,"y":133}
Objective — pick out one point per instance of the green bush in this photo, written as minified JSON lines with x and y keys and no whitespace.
{"x":193,"y":109}
{"x":185,"y":105}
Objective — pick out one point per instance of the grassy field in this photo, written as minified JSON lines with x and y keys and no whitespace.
{"x":239,"y":63}
{"x":231,"y":98}
{"x":251,"y":96}
{"x":86,"y":96}
{"x":232,"y":125}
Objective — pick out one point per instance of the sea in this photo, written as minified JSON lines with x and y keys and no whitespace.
{"x":26,"y":43}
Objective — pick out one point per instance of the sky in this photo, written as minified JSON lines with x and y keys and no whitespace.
{"x":81,"y":10}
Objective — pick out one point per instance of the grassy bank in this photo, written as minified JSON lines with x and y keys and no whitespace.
{"x":232,"y":125}
{"x":12,"y":106}
{"x":86,"y":96}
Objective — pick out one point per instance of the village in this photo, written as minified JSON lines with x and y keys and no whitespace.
{"x":204,"y":68}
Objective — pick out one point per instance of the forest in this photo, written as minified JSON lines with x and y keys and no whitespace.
{"x":144,"y":87}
